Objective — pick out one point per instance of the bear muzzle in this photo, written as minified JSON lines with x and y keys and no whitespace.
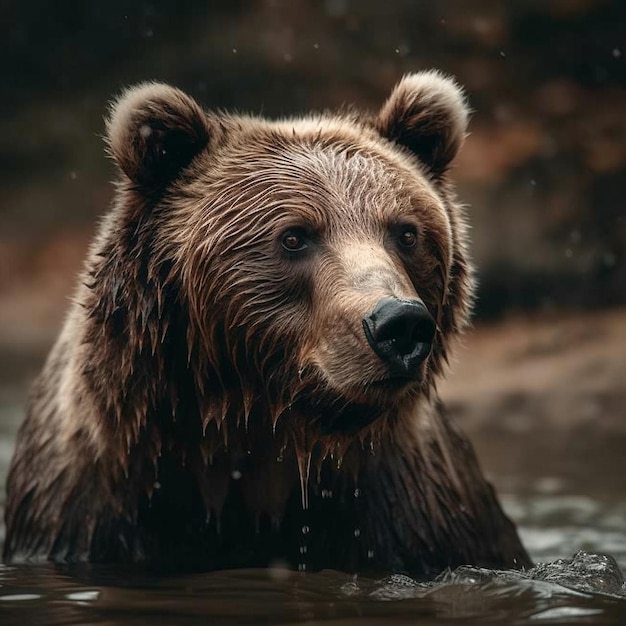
{"x":401,"y":333}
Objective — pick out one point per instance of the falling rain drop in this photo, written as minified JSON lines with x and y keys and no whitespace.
{"x":305,"y":530}
{"x":357,"y":532}
{"x":357,"y":493}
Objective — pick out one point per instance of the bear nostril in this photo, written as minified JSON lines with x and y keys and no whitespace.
{"x":400,"y":332}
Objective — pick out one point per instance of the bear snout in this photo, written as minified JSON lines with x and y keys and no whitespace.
{"x":401,"y":333}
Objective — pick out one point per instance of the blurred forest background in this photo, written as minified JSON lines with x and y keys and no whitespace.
{"x":544,"y":169}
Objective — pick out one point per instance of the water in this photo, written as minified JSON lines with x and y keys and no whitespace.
{"x":44,"y":594}
{"x":565,"y":489}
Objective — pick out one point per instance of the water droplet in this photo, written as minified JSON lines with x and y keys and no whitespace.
{"x":234,"y":50}
{"x":370,"y":554}
{"x":236,"y":474}
{"x":617,"y":53}
{"x":357,"y":493}
{"x":502,"y":53}
{"x":157,"y":485}
{"x":305,"y":530}
{"x":302,"y":567}
{"x":402,"y":50}
{"x":73,"y":175}
{"x":357,"y":532}
{"x":317,"y":47}
{"x":304,"y":466}
{"x":326,"y":493}
{"x":303,"y":549}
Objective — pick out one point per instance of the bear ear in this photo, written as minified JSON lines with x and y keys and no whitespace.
{"x":153,"y":131}
{"x":426,"y":113}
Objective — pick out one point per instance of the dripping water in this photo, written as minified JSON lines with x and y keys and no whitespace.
{"x":304,"y":466}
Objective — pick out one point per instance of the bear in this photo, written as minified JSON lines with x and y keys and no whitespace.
{"x":248,"y":371}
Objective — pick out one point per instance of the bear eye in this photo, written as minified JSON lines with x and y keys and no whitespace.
{"x":407,"y":237}
{"x":294,"y":240}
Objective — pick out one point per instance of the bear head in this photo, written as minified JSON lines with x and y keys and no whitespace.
{"x":315,"y":268}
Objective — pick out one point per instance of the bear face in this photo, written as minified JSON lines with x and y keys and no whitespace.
{"x":261,"y":321}
{"x":283,"y":238}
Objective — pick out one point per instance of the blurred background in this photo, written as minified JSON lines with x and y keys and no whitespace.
{"x":541,"y":382}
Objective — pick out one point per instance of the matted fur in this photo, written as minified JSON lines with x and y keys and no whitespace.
{"x":211,"y":395}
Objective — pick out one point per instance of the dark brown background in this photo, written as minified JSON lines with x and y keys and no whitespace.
{"x":543,"y":169}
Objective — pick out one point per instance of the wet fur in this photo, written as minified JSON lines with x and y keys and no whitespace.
{"x":208,"y":399}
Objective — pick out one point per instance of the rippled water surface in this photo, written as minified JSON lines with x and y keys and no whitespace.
{"x":565,"y":490}
{"x":48,"y":595}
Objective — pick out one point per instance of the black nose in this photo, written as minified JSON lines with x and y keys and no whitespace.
{"x":401,"y":333}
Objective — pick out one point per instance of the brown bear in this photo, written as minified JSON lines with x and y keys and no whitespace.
{"x":248,"y":371}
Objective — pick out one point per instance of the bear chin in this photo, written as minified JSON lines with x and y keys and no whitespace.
{"x":355,"y":411}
